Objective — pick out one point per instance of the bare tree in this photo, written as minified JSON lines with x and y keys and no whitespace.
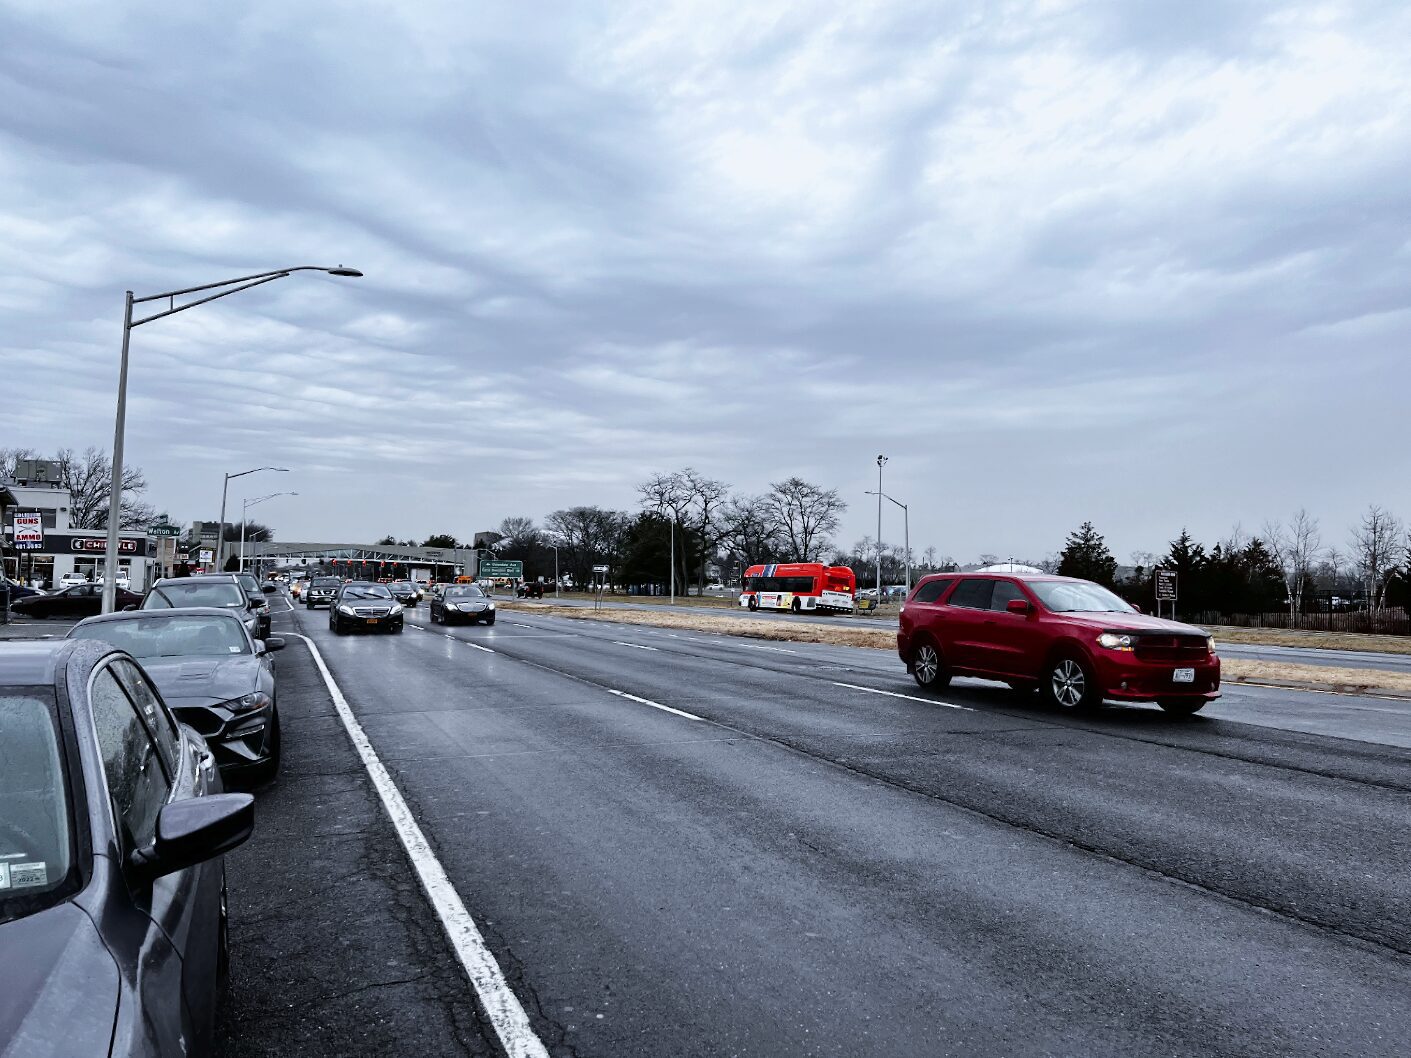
{"x":807,"y":515}
{"x":749,"y":531}
{"x":696,"y":503}
{"x":587,"y":536}
{"x":1377,"y":549}
{"x":89,"y":479}
{"x":10,"y":456}
{"x":1294,"y":548}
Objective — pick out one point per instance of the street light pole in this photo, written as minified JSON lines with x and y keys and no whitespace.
{"x":224,"y":491}
{"x":556,"y":569}
{"x":244,"y":507}
{"x":234,"y":286}
{"x":672,"y":524}
{"x":881,"y":462}
{"x":906,"y":530}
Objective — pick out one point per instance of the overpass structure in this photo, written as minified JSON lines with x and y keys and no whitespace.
{"x":359,"y":560}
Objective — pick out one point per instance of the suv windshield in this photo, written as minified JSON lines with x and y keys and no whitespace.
{"x":325,"y":582}
{"x":366,"y":591}
{"x":174,"y":636}
{"x":1077,"y":597}
{"x":170,"y":594}
{"x":35,"y":837}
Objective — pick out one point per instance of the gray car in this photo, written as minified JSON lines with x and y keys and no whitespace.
{"x":217,"y":589}
{"x":462,"y":602}
{"x":113,"y":826}
{"x":216,"y":679}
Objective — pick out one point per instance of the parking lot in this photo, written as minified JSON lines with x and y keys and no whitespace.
{"x":675,"y":843}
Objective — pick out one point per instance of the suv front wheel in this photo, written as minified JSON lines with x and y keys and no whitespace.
{"x":1069,"y":684}
{"x":928,"y":669}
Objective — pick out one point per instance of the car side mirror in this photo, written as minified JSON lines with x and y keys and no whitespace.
{"x":253,"y":604}
{"x":1018,"y":606}
{"x":1137,"y":608}
{"x":268,"y":589}
{"x":272,"y":644}
{"x":195,"y":830}
{"x":130,"y":606}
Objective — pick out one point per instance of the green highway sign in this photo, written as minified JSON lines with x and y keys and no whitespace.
{"x":496,"y":567}
{"x":164,"y":530}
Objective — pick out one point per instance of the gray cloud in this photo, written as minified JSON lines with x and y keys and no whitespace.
{"x":1144,"y":263}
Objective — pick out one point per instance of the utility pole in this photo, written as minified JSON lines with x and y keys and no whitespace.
{"x":672,"y":524}
{"x":881,"y":462}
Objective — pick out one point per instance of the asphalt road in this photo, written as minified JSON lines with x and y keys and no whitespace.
{"x":688,"y":844}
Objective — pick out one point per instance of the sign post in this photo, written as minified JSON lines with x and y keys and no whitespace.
{"x":1166,"y":590}
{"x":600,"y":572}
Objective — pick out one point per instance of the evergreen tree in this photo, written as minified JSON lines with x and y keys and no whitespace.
{"x":1085,"y":555}
{"x":1187,"y":557}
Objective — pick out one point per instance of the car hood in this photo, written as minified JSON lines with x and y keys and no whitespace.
{"x":213,"y":679}
{"x":1134,"y":622}
{"x":61,"y":985}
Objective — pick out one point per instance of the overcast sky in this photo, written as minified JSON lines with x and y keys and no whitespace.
{"x":1147,"y":264}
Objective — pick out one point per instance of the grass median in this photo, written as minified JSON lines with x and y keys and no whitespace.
{"x":1277,"y":673}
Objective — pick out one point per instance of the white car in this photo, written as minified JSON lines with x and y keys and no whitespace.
{"x":122,"y":581}
{"x":68,"y":580}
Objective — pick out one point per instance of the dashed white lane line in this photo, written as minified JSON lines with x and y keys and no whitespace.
{"x":908,"y":697}
{"x":777,"y":650}
{"x":634,"y":646}
{"x":477,"y":646}
{"x":656,"y":705}
{"x":501,"y":1005}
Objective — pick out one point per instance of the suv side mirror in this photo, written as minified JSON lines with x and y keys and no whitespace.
{"x":195,"y":830}
{"x":1018,"y":606}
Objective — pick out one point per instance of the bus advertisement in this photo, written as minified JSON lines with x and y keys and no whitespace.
{"x":799,"y":587}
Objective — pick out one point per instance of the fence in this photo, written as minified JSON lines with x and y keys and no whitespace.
{"x":1392,"y":621}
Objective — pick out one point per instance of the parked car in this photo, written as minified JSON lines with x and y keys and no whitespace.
{"x":122,"y":580}
{"x":462,"y":602}
{"x":82,"y":600}
{"x":68,"y":580}
{"x":258,"y":603}
{"x":16,"y":590}
{"x":363,"y":604}
{"x":321,"y":591}
{"x":404,"y":591}
{"x":210,"y":589}
{"x":530,"y":590}
{"x":113,"y":930}
{"x":214,"y":677}
{"x":1073,"y":640}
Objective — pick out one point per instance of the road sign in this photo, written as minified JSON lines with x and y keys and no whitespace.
{"x":1165,"y":585}
{"x":205,"y":556}
{"x":29,"y":531}
{"x":164,"y":530}
{"x":512,"y":569}
{"x":600,"y":569}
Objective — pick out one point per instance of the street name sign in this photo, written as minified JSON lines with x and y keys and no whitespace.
{"x":163,"y":530}
{"x":512,"y":569}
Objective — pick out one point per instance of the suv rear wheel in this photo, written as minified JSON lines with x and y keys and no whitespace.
{"x":927,"y":668}
{"x":1069,"y":684}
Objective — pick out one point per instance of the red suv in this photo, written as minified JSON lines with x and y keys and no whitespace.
{"x":1075,"y":641}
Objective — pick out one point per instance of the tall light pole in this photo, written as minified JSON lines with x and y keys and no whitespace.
{"x":906,"y":530}
{"x":120,"y":420}
{"x":245,"y":507}
{"x":672,"y":524}
{"x":556,"y":569}
{"x":224,"y":491}
{"x":881,"y":462}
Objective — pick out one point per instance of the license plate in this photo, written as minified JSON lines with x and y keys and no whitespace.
{"x":1183,"y":676}
{"x":374,"y":620}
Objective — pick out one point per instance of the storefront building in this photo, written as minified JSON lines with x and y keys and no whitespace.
{"x":39,"y":547}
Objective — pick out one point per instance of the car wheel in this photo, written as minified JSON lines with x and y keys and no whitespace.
{"x":754,"y":602}
{"x":928,"y":669}
{"x":489,"y":620}
{"x":397,"y":631}
{"x":223,"y":941}
{"x":1069,"y":684}
{"x":431,"y":616}
{"x":335,"y":625}
{"x":1182,"y":706}
{"x":795,"y":606}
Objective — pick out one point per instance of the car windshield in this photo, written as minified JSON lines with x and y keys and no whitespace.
{"x":467,"y":591}
{"x":176,"y":593}
{"x":1077,"y":596}
{"x":35,"y":836}
{"x":177,"y":636}
{"x":367,"y":591}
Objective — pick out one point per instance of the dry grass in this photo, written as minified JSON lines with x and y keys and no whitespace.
{"x":1234,"y":670}
{"x":1283,"y":637}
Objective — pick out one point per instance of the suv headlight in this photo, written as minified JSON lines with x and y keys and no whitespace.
{"x":1117,"y":641}
{"x":344,"y":608}
{"x":491,"y":606}
{"x":247,"y":702}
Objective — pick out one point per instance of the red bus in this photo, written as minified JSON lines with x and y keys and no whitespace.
{"x":800,"y":587}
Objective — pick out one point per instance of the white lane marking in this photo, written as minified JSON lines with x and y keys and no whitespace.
{"x":634,"y":646}
{"x":501,"y":1005}
{"x":908,"y":697}
{"x":518,"y":625}
{"x":477,"y":646}
{"x":656,"y":705}
{"x":777,"y":650}
{"x":286,"y":602}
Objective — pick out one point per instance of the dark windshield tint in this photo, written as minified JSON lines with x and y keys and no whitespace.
{"x":1077,"y":596}
{"x":170,"y":637}
{"x":973,"y":593}
{"x":194,"y":593}
{"x":36,"y":843}
{"x":931,"y":591}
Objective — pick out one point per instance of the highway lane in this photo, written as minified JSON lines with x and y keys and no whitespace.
{"x":817,"y":869}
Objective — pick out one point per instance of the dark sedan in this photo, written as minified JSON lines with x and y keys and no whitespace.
{"x":258,"y":603}
{"x":462,"y":602}
{"x":404,"y":591}
{"x":112,"y":883}
{"x":364,"y":605}
{"x":217,"y":680}
{"x":82,"y":600}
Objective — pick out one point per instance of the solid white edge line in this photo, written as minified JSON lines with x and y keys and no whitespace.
{"x":908,"y":697}
{"x":502,"y":1007}
{"x":656,"y":705}
{"x":634,"y":646}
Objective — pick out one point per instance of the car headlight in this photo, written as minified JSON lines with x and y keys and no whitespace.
{"x":490,"y":607}
{"x":1116,"y":641}
{"x":396,"y":609}
{"x":248,"y":702}
{"x":348,"y":610}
